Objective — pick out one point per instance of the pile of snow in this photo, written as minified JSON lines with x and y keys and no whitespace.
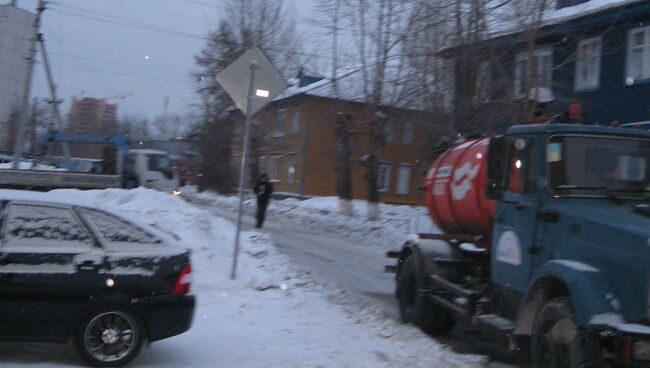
{"x":30,"y":165}
{"x":270,"y":316}
{"x":395,"y":223}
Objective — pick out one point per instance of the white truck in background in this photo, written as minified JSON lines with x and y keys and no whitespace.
{"x":127,"y":168}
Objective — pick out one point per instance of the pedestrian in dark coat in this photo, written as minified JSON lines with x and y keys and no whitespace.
{"x":263,"y":190}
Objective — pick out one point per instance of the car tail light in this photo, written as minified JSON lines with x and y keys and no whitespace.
{"x":183,"y":281}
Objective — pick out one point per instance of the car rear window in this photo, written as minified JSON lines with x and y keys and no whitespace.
{"x":33,"y":228}
{"x":116,"y":233}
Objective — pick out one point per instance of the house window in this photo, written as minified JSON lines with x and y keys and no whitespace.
{"x":295,"y":121}
{"x":588,"y":64}
{"x":403,"y":179}
{"x":389,"y":132}
{"x":261,"y":164}
{"x":278,"y":129}
{"x":407,"y":135}
{"x":542,"y":65}
{"x":276,"y":162}
{"x":383,"y":177}
{"x":291,"y":167}
{"x":638,"y":55}
{"x":483,"y":79}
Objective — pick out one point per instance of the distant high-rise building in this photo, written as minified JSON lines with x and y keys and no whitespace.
{"x":15,"y":35}
{"x":93,"y":116}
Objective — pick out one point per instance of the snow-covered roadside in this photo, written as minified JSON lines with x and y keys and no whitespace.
{"x":271,"y":316}
{"x":321,"y":213}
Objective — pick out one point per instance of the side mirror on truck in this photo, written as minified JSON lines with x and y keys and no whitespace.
{"x":496,"y":165}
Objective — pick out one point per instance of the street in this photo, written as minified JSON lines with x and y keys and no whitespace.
{"x":357,"y":269}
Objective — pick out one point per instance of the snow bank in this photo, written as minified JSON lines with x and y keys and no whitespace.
{"x":392,"y":229}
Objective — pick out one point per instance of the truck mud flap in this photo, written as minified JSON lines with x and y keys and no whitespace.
{"x":453,"y":297}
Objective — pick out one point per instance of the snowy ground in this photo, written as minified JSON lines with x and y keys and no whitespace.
{"x":271,"y":316}
{"x":321,"y":214}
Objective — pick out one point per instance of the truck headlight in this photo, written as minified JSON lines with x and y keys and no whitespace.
{"x":641,"y":350}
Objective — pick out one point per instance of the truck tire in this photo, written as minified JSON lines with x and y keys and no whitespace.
{"x":414,"y":303}
{"x":557,"y":341}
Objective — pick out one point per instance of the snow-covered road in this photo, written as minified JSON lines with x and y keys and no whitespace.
{"x":342,"y":260}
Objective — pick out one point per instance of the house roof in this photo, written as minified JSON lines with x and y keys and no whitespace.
{"x":351,"y":88}
{"x":504,"y":22}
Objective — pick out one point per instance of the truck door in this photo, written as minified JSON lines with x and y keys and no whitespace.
{"x":514,"y":234}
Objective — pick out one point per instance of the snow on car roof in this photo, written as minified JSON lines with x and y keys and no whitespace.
{"x":48,"y":197}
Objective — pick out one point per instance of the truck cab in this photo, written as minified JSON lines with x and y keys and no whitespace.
{"x":152,"y":169}
{"x":566,"y":275}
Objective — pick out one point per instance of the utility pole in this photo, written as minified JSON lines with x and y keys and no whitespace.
{"x":53,"y":99}
{"x":24,"y":116}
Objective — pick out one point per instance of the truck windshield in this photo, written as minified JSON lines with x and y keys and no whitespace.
{"x":598,"y":166}
{"x":161,"y":163}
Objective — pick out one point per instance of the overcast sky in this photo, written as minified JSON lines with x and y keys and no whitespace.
{"x":95,"y":58}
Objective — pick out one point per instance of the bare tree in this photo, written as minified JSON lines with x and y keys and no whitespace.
{"x":246,"y":24}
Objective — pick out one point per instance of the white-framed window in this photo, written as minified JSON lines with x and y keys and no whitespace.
{"x":261,"y":164}
{"x":295,"y":120}
{"x":541,"y":67}
{"x":408,"y":133}
{"x":383,"y":177}
{"x":588,"y":64}
{"x":389,"y":132}
{"x":403,"y":179}
{"x":276,"y":163}
{"x":483,"y":80}
{"x":291,"y":167}
{"x":638,"y":55}
{"x":278,"y":127}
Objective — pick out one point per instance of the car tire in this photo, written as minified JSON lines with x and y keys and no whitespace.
{"x":557,"y":341}
{"x":109,"y":337}
{"x":414,"y":305}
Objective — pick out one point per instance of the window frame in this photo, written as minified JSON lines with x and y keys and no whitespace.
{"x":279,"y":123}
{"x":296,"y":114}
{"x":408,"y":132}
{"x":261,"y":163}
{"x":291,"y":177}
{"x":400,"y":166}
{"x":483,"y":80}
{"x":522,"y":60}
{"x":645,"y":55}
{"x":381,"y":188}
{"x":273,"y":174}
{"x":592,"y":82}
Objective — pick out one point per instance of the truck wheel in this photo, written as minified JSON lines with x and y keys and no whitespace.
{"x":414,"y":305}
{"x":557,"y":341}
{"x":109,"y":337}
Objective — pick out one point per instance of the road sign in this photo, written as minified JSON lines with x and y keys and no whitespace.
{"x":235,"y":80}
{"x":252,"y":82}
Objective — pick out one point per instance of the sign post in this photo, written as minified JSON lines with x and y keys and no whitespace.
{"x":264,"y":84}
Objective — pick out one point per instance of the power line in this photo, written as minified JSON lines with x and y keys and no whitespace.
{"x":153,"y":28}
{"x":111,"y":62}
{"x":138,"y":76}
{"x":220,"y":7}
{"x":132,"y":24}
